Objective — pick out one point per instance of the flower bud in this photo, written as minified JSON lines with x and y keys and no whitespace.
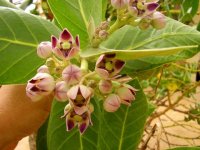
{"x":72,"y":74}
{"x":112,"y":103}
{"x":158,"y":20}
{"x":43,"y":69}
{"x":40,"y":85}
{"x":119,"y":3}
{"x":133,"y":11}
{"x":104,"y":25}
{"x":50,"y":63}
{"x":61,"y":91}
{"x":103,"y":34}
{"x":144,"y":24}
{"x":44,"y":50}
{"x":105,"y":86}
{"x":91,"y":108}
{"x":127,"y":94}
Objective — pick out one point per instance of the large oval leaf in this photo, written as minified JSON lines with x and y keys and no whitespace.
{"x":20,"y":34}
{"x":175,"y":34}
{"x":121,"y":130}
{"x":75,"y":15}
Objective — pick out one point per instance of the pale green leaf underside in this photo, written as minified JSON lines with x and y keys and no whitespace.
{"x":5,"y":3}
{"x":20,"y":34}
{"x":135,"y":54}
{"x":175,"y":34}
{"x":121,"y":130}
{"x":75,"y":15}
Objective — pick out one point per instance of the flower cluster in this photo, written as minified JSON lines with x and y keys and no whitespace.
{"x":140,"y":12}
{"x":75,"y":84}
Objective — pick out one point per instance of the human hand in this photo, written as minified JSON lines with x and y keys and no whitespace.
{"x":19,"y":116}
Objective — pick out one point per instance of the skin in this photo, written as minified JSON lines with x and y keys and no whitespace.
{"x":19,"y":116}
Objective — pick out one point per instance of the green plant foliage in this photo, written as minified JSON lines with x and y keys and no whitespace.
{"x":5,"y":3}
{"x":189,"y":9}
{"x":104,"y":8}
{"x":175,"y":34}
{"x":20,"y":33}
{"x":120,"y":130}
{"x":76,"y":15}
{"x":41,"y":139}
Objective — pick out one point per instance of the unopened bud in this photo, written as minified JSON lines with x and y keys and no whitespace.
{"x":112,"y":103}
{"x":105,"y":86}
{"x":91,"y":107}
{"x":104,"y":25}
{"x":103,"y":34}
{"x":72,"y":74}
{"x":144,"y":24}
{"x":44,"y":50}
{"x":43,"y":69}
{"x":50,"y":63}
{"x":61,"y":91}
{"x":133,"y":11}
{"x":158,"y":20}
{"x":119,"y":3}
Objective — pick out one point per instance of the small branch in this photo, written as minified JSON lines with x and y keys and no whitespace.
{"x":150,"y":135}
{"x":161,"y":74}
{"x":164,"y":132}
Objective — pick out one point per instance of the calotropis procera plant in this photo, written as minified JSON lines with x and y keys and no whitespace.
{"x":75,"y":83}
{"x":96,"y":76}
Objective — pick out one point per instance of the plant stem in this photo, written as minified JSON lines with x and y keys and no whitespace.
{"x":84,"y":65}
{"x":114,"y":27}
{"x":86,"y":76}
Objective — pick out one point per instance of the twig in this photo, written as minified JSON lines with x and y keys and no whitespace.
{"x":164,"y":132}
{"x":144,"y":146}
{"x":161,"y":74}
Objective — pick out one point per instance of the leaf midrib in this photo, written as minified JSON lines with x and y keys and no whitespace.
{"x":123,"y":129}
{"x":18,"y":42}
{"x":82,"y":13}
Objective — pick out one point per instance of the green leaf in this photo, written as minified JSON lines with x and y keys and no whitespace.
{"x":189,"y":10}
{"x":75,"y":15}
{"x":41,"y":139}
{"x":175,"y":34}
{"x":151,"y":108}
{"x":20,"y":34}
{"x":120,"y":130}
{"x":5,"y":3}
{"x":186,"y":148}
{"x":104,"y":8}
{"x":123,"y":130}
